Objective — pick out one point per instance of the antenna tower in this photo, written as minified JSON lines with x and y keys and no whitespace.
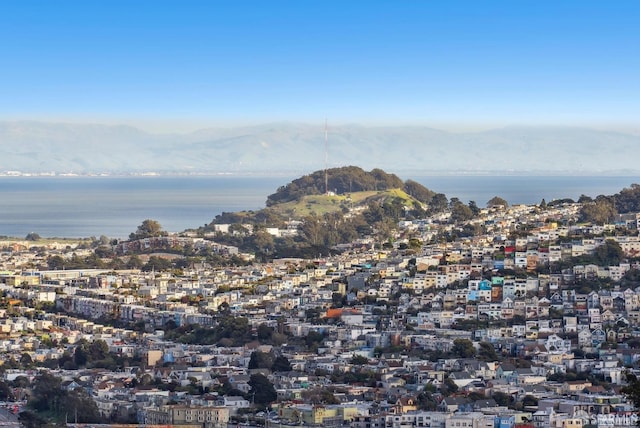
{"x":326,"y":158}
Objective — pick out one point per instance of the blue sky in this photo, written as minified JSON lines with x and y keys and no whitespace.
{"x":453,"y":64}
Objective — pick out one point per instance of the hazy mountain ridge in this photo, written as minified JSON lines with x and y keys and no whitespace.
{"x":92,"y":148}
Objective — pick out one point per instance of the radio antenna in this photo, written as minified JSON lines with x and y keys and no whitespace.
{"x":326,"y":158}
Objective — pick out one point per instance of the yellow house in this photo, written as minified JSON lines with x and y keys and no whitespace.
{"x":575,"y":386}
{"x":185,"y":416}
{"x":572,"y":423}
{"x":405,"y":404}
{"x":317,"y":414}
{"x":14,"y":280}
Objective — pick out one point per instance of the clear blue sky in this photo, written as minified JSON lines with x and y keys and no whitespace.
{"x":440,"y":63}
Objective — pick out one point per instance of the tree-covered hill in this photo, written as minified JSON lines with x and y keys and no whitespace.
{"x":603,"y":208}
{"x":628,"y":199}
{"x":350,"y":188}
{"x":348,"y":179}
{"x":359,"y":204}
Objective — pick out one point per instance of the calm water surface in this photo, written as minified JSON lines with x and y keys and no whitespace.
{"x":94,"y":206}
{"x":115,"y":206}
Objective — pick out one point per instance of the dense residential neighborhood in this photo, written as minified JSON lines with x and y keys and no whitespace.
{"x":532,"y":323}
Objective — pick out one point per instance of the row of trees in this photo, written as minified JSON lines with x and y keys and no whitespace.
{"x":50,"y":401}
{"x":269,"y":360}
{"x":603,"y":208}
{"x":228,"y":331}
{"x":97,"y":260}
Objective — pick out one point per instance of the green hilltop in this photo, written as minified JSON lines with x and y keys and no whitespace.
{"x":347,"y":180}
{"x":348,"y":188}
{"x":330,"y":203}
{"x":333,"y":207}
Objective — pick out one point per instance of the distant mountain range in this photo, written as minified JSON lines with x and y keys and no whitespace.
{"x":290,"y":148}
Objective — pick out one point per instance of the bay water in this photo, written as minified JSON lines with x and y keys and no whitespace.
{"x":114,"y":206}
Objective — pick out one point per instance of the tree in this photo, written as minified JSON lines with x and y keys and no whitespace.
{"x":157,"y":264}
{"x":610,"y":253}
{"x":261,"y":360}
{"x":117,"y":264}
{"x":474,"y":208}
{"x":264,"y":333}
{"x":262,"y":391}
{"x":600,"y":212}
{"x":418,"y":191}
{"x":49,"y":397}
{"x":6,"y":393}
{"x":263,"y":242}
{"x":25,"y":360}
{"x":56,"y":262}
{"x":319,"y":395}
{"x":632,"y":390}
{"x":98,"y":350}
{"x":529,"y":400}
{"x":80,"y":355}
{"x":46,"y":392}
{"x":224,"y":309}
{"x":463,"y":348}
{"x":438,"y":203}
{"x":460,"y":212}
{"x":134,"y":262}
{"x":415,"y":244}
{"x":103,"y":252}
{"x":426,"y":400}
{"x":358,"y":360}
{"x":313,"y":340}
{"x":338,"y":300}
{"x":628,"y":200}
{"x":448,"y":387}
{"x":281,"y":364}
{"x":31,"y":419}
{"x":148,"y":229}
{"x":312,"y":230}
{"x":238,"y":229}
{"x":145,"y":379}
{"x":21,"y":382}
{"x":313,"y":314}
{"x":32,"y":236}
{"x":502,"y":399}
{"x":81,"y":405}
{"x":487,"y":352}
{"x":497,"y":201}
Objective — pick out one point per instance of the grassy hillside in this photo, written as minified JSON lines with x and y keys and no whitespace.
{"x":352,"y":187}
{"x":322,"y":204}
